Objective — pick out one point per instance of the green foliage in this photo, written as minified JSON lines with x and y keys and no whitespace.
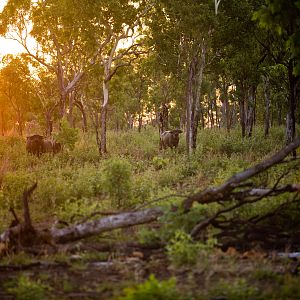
{"x":159,"y":162}
{"x":237,"y":290}
{"x":174,"y":221}
{"x":28,"y":289}
{"x":148,"y":236}
{"x":152,"y":289}
{"x":182,"y":250}
{"x":131,"y":144}
{"x":118,"y":181}
{"x":53,"y":191}
{"x":13,"y":186}
{"x":67,"y":135}
{"x":20,"y":258}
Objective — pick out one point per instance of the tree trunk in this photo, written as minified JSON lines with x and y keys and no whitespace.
{"x":140,"y":122}
{"x":20,"y":123}
{"x":291,"y":120}
{"x":103,"y":148}
{"x":98,"y":137}
{"x":80,"y":106}
{"x":266,"y":84}
{"x":3,"y":127}
{"x":62,"y":102}
{"x":225,"y":118}
{"x":98,"y":226}
{"x":195,"y":78}
{"x":71,"y":107}
{"x":279,"y":114}
{"x":242,"y":116}
{"x":250,"y":111}
{"x":49,"y":122}
{"x":198,"y":107}
{"x":189,"y":108}
{"x":163,"y":118}
{"x":217,"y":113}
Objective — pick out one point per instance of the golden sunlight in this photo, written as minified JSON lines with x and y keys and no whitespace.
{"x":8,"y":46}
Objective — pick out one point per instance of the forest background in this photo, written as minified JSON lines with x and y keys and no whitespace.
{"x":105,"y":78}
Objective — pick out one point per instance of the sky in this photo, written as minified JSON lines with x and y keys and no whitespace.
{"x":8,"y":46}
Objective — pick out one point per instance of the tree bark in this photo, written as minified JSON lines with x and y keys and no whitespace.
{"x":3,"y":128}
{"x":266,"y":84}
{"x":81,"y":107}
{"x":225,"y":107}
{"x":79,"y":231}
{"x":91,"y":228}
{"x":250,"y":111}
{"x":291,"y":119}
{"x":242,"y":116}
{"x":195,"y":78}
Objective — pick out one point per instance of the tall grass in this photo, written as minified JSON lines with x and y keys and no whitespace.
{"x":81,"y":177}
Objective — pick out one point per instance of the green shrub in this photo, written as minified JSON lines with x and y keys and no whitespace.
{"x":143,"y":188}
{"x":236,"y":290}
{"x":140,"y":146}
{"x":148,"y":236}
{"x":174,"y":221}
{"x":13,"y":186}
{"x":118,"y":182}
{"x":27,"y":289}
{"x":67,"y":135}
{"x":53,"y":191}
{"x":152,"y":289}
{"x":159,"y":162}
{"x":182,"y":250}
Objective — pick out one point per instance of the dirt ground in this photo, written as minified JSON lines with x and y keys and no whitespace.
{"x":85,"y":275}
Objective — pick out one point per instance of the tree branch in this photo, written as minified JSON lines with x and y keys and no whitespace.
{"x":220,"y":193}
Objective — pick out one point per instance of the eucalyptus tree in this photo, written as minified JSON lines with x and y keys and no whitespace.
{"x":281,"y":19}
{"x":73,"y":35}
{"x":135,"y":87}
{"x":47,"y":93}
{"x":181,"y":32}
{"x":15,"y":86}
{"x":56,"y":38}
{"x":237,"y":58}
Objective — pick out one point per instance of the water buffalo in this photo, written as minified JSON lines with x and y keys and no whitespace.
{"x":36,"y":144}
{"x":56,"y":147}
{"x":51,"y":146}
{"x":169,"y":138}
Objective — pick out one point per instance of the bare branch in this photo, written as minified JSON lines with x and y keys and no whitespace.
{"x":220,"y":193}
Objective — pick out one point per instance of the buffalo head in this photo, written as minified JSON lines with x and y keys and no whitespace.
{"x":35,"y":144}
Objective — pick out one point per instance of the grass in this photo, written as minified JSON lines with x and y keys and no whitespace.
{"x":77,"y":178}
{"x":77,"y":182}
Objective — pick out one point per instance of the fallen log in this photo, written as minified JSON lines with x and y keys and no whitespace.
{"x":79,"y":231}
{"x":223,"y":191}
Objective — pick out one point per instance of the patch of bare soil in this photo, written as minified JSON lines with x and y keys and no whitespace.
{"x":81,"y":278}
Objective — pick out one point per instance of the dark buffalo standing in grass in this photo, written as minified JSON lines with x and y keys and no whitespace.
{"x":170,"y":138}
{"x":37,"y":144}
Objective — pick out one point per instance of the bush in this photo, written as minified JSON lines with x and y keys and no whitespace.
{"x":236,"y":290}
{"x":118,"y":182}
{"x":181,"y":249}
{"x":27,"y":289}
{"x":159,"y":162}
{"x":152,"y":289}
{"x":67,"y":135}
{"x":13,"y":186}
